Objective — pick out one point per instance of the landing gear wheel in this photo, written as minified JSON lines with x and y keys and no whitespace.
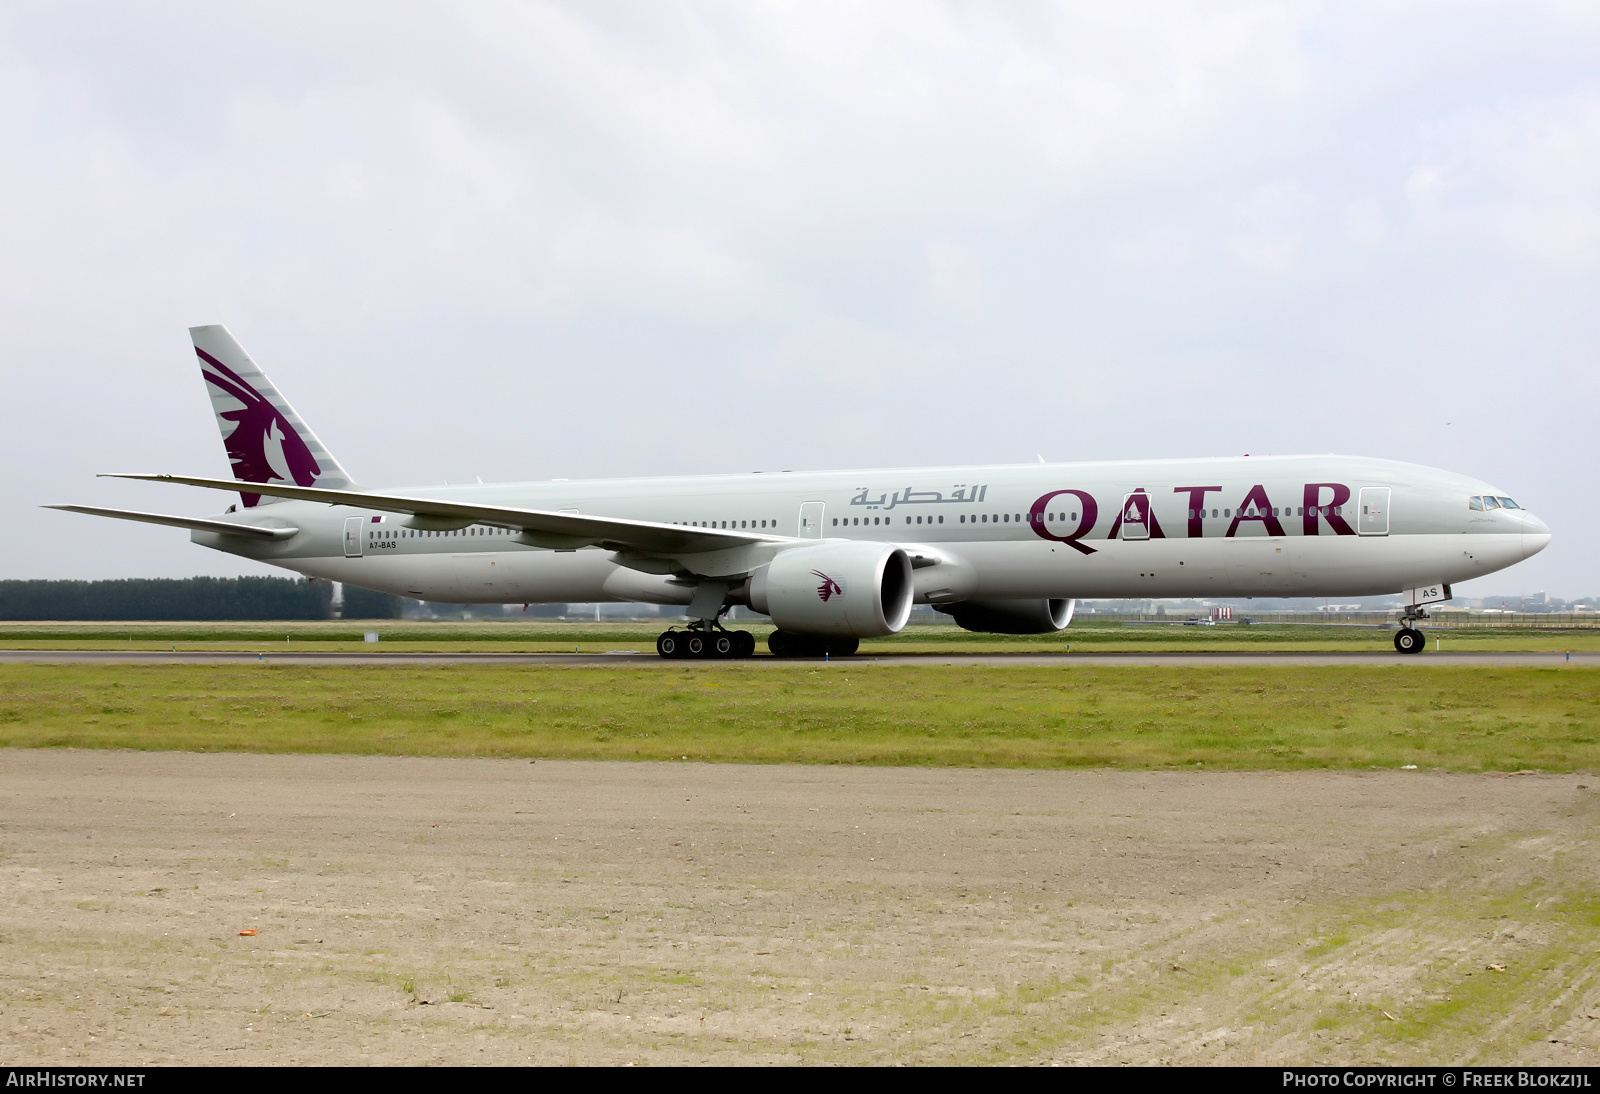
{"x":701,"y":642}
{"x":787,"y":644}
{"x":1409,"y":640}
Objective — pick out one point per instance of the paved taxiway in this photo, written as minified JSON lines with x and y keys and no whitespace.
{"x":641,"y":659}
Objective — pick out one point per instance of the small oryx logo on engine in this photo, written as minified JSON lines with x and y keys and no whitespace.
{"x":829,"y":587}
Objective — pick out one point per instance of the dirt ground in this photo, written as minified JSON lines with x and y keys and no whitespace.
{"x":500,"y":911}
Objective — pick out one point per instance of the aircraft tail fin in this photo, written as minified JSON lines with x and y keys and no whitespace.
{"x":265,"y":438}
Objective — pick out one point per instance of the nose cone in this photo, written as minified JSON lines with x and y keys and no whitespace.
{"x":1535,"y":535}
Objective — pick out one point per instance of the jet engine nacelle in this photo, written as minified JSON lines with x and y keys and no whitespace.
{"x":837,"y":587}
{"x":1011,"y":616}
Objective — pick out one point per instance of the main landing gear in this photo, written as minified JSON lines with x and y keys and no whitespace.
{"x":788,"y":644}
{"x":702,"y":640}
{"x":699,"y":640}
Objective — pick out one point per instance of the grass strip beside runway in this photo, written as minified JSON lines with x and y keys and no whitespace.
{"x":1293,"y":717}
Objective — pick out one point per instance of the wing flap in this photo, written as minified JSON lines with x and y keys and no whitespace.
{"x":574,"y":529}
{"x":194,"y":524}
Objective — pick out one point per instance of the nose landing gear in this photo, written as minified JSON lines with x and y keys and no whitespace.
{"x":1408,"y":639}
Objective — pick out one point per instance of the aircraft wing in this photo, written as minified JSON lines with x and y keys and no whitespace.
{"x":543,"y":527}
{"x":227,"y":528}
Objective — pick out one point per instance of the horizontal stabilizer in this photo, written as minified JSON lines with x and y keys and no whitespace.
{"x":560,"y":529}
{"x":194,"y":524}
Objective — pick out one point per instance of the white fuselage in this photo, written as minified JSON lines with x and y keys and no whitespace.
{"x":1238,"y":527}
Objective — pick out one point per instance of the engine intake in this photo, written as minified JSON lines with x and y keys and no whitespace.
{"x":1011,"y":616}
{"x":837,"y":587}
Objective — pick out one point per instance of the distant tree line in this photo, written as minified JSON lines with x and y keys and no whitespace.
{"x":366,"y":604}
{"x":191,"y":598}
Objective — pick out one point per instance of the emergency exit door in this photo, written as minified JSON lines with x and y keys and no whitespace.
{"x":1136,"y":516}
{"x":1372,"y":519}
{"x":352,"y":536}
{"x":811,"y":520}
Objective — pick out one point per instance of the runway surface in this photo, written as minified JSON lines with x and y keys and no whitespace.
{"x":644,"y":660}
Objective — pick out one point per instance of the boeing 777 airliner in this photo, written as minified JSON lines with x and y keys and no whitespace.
{"x":836,"y":556}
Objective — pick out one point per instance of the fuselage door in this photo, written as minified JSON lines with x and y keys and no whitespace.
{"x":352,"y":536}
{"x":1373,"y":519}
{"x":1136,"y":516}
{"x":811,"y":520}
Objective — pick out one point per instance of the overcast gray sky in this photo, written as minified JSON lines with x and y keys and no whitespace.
{"x":530,"y":240}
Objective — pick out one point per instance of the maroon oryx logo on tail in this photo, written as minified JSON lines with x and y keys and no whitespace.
{"x":829,"y":587}
{"x":260,"y":433}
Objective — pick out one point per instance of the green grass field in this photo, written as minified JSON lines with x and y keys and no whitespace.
{"x":1291,"y":717}
{"x":552,"y":637}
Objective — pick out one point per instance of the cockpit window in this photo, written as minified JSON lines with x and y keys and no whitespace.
{"x":1491,"y":502}
{"x":1475,"y":504}
{"x":1507,"y":503}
